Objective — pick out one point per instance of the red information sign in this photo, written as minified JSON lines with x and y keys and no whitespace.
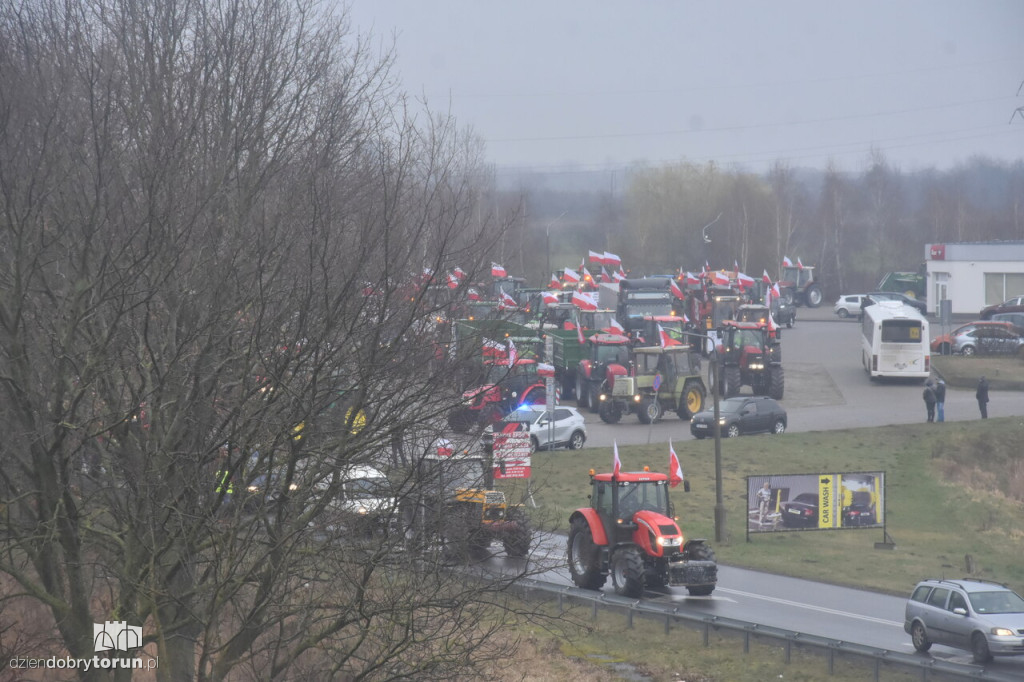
{"x":512,"y":452}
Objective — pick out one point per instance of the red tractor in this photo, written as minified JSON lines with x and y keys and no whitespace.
{"x":629,"y":532}
{"x":504,"y":389}
{"x":750,"y":354}
{"x":602,"y":351}
{"x":799,"y":287}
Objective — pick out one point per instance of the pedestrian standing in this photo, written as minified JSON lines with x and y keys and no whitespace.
{"x":764,"y":498}
{"x":929,"y":400}
{"x":940,"y":401}
{"x":982,"y":395}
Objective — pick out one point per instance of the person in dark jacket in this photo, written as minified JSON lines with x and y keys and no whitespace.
{"x":940,"y":401}
{"x":929,"y":400}
{"x":982,"y":395}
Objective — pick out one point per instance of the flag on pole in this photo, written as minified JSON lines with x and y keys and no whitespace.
{"x":605,"y":277}
{"x":545,"y":370}
{"x":453,"y":281}
{"x":799,"y":264}
{"x":666,"y":340}
{"x":618,"y":275}
{"x":675,"y":471}
{"x":768,"y":304}
{"x":459,"y":272}
{"x":786,"y":262}
{"x":584,"y":301}
{"x":473,"y":295}
{"x":596,"y":257}
{"x":555,"y":283}
{"x":512,"y":355}
{"x":497,"y":270}
{"x":445,"y":448}
{"x":744,"y":280}
{"x":612,"y":259}
{"x":579,"y":334}
{"x":765,"y":278}
{"x":550,"y":297}
{"x":616,"y":463}
{"x":692,"y":278}
{"x":676,"y":291}
{"x":615,"y":328}
{"x":507,"y":301}
{"x":571,"y":276}
{"x":720,"y":278}
{"x":587,"y":277}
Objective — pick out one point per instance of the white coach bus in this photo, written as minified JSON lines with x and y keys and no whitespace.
{"x":895,"y":341}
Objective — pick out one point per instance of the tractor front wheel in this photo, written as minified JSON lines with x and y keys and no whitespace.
{"x":692,"y":401}
{"x":733,"y":381}
{"x":585,"y":557}
{"x":650,"y":411}
{"x":628,"y":572}
{"x":611,"y":413}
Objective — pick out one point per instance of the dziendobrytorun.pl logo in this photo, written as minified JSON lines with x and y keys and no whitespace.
{"x":108,"y":636}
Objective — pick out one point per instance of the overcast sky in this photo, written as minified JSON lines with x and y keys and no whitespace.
{"x":592,"y":84}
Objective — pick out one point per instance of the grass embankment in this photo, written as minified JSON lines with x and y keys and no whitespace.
{"x":953,"y":491}
{"x":1003,"y":373}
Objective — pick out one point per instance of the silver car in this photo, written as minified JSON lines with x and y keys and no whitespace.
{"x":988,"y":339}
{"x":564,"y":428}
{"x":848,"y":305}
{"x":982,"y":617}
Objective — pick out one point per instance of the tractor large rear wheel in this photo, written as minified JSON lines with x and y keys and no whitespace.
{"x":628,"y":572}
{"x":813,"y":296}
{"x":517,"y":540}
{"x":585,"y":557}
{"x":733,"y":381}
{"x":692,"y":400}
{"x":777,"y":382}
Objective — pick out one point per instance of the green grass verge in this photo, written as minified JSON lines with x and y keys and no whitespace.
{"x":1003,"y":373}
{"x":954,"y":499}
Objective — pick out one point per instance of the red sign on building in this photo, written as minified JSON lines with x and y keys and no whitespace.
{"x":937,"y":252}
{"x":512,"y":451}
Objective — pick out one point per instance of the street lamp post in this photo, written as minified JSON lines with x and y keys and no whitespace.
{"x":547,"y":232}
{"x":720,"y":534}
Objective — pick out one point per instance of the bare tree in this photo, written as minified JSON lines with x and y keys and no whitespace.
{"x":220,"y":228}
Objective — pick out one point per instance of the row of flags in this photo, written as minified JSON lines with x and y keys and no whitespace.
{"x":675,"y":470}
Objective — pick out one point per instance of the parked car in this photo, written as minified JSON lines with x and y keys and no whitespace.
{"x":740,"y":416}
{"x":848,"y":304}
{"x":801,"y":511}
{"x":1013,"y":305}
{"x":1016,"y":319}
{"x":983,"y":336}
{"x":566,"y":430}
{"x":876,"y":296}
{"x":982,"y":617}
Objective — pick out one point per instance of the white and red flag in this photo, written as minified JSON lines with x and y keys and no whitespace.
{"x":579,"y":334}
{"x":545,"y":370}
{"x":507,"y":301}
{"x":473,"y":295}
{"x":786,"y":262}
{"x":605,"y":277}
{"x":765,"y":278}
{"x":584,"y":301}
{"x":744,"y":280}
{"x":615,"y":328}
{"x":555,"y":282}
{"x":768,"y":304}
{"x":676,"y":291}
{"x":692,"y":278}
{"x":616,"y":462}
{"x":675,"y":471}
{"x":799,"y":264}
{"x":497,"y":270}
{"x":666,"y":340}
{"x":512,"y":355}
{"x":612,"y":260}
{"x":720,"y":278}
{"x":571,"y":276}
{"x":550,"y":297}
{"x":445,"y":448}
{"x":595,"y":257}
{"x":453,"y":281}
{"x":587,"y":277}
{"x":618,"y":275}
{"x":459,"y":272}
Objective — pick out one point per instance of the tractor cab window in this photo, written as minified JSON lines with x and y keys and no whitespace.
{"x":603,"y":498}
{"x":608,"y":353}
{"x":646,"y":495}
{"x":647,"y":363}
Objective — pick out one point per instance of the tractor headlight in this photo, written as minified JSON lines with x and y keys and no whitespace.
{"x":757,"y":365}
{"x":601,"y":397}
{"x":636,"y":398}
{"x":668,"y":542}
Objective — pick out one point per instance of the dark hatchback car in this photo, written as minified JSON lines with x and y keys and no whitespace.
{"x":876,"y":296}
{"x":859,"y":512}
{"x":801,"y":511}
{"x":740,"y":416}
{"x":1013,"y":305}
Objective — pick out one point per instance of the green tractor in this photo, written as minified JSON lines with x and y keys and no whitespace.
{"x":662,"y":380}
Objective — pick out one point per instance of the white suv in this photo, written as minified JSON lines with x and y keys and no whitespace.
{"x":848,"y":305}
{"x":567,"y":429}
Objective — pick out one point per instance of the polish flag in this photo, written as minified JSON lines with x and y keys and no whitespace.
{"x":786,"y":262}
{"x":550,"y":297}
{"x":618,"y":275}
{"x":768,"y":304}
{"x":584,"y":301}
{"x":611,"y":259}
{"x":595,"y":257}
{"x":744,"y":280}
{"x":675,"y":471}
{"x":765,"y":278}
{"x":579,"y":335}
{"x":555,"y":284}
{"x":512,"y":355}
{"x":720,"y":278}
{"x":799,"y":264}
{"x":507,"y":301}
{"x":453,"y":281}
{"x":676,"y":291}
{"x":692,"y":278}
{"x":459,"y":272}
{"x":666,"y":340}
{"x":473,"y":295}
{"x":616,"y":463}
{"x":615,"y":328}
{"x":445,"y":448}
{"x":571,"y":276}
{"x":605,"y":277}
{"x":545,"y":370}
{"x":497,"y":270}
{"x":587,"y":277}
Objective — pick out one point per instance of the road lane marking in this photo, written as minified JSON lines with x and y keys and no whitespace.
{"x":812,"y":607}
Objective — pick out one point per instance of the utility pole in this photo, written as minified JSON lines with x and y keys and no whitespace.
{"x":720,"y":534}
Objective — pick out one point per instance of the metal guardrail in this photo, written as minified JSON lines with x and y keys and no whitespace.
{"x":830,"y":647}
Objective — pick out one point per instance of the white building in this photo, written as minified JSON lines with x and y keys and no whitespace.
{"x":974,"y":274}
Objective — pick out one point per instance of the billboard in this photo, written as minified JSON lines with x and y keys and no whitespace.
{"x":823,"y":501}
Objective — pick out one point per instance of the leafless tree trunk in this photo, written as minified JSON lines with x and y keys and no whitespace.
{"x":219,"y":225}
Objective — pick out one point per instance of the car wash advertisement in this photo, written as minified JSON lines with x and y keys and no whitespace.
{"x":512,"y":451}
{"x":825,"y":501}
